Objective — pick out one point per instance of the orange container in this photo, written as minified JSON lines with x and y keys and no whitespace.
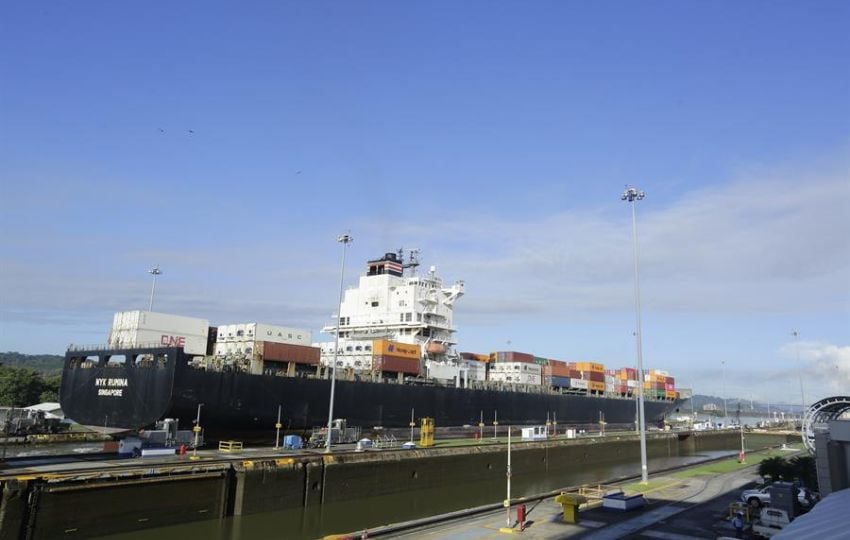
{"x":385,"y":347}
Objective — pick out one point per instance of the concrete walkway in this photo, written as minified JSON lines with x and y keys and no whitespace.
{"x":701,"y":501}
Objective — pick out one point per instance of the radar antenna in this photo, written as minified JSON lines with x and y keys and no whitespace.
{"x":413,"y":259}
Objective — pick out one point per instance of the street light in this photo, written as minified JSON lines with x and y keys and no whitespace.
{"x":723,"y":379}
{"x":155,"y":271}
{"x":344,"y":239}
{"x":631,"y":195}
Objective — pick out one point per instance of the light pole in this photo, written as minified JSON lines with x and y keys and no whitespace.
{"x":631,"y":195}
{"x":155,"y":271}
{"x":344,"y":239}
{"x":800,"y":371}
{"x":723,"y":379}
{"x":197,"y":430}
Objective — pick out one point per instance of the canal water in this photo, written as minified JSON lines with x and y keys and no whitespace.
{"x":371,"y":511}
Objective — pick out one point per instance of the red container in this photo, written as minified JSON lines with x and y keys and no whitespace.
{"x":670,"y":381}
{"x":513,"y":356}
{"x":621,"y":389}
{"x":575,"y":374}
{"x":669,"y":387}
{"x":557,"y":370}
{"x":595,"y":376}
{"x":285,"y":352}
{"x":395,"y":364}
{"x":631,"y":373}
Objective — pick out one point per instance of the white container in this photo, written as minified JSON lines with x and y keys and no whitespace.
{"x":265,"y":332}
{"x":631,"y":384}
{"x":158,"y":338}
{"x":147,"y":320}
{"x":578,"y":383}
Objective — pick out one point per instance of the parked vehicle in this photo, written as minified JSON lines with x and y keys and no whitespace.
{"x":757,"y":498}
{"x":771,"y":521}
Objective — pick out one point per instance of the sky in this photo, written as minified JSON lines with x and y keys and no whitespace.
{"x":231,"y":143}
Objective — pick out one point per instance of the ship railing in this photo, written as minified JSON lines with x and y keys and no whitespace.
{"x":109,"y":346}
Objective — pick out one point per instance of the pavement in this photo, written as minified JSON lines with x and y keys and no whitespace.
{"x":677,"y":509}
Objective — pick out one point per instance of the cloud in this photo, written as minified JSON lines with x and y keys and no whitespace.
{"x":825,"y":364}
{"x":769,"y":241}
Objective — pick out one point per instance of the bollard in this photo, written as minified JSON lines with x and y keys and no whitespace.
{"x":520,"y":516}
{"x":570,"y":503}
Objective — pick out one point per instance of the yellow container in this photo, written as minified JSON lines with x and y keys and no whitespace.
{"x":671,"y":394}
{"x":384,"y":347}
{"x":598,"y":386}
{"x":590,"y":366}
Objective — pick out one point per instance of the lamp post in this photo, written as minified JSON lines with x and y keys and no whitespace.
{"x":155,"y":271}
{"x":344,"y":239}
{"x":197,"y":430}
{"x":631,"y":195}
{"x":723,"y":380}
{"x":800,"y":371}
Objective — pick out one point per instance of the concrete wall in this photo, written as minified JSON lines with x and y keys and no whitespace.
{"x":317,"y":492}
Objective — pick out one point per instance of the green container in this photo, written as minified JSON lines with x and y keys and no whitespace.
{"x":541,"y":361}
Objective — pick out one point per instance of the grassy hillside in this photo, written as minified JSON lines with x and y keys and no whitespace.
{"x":45,"y":364}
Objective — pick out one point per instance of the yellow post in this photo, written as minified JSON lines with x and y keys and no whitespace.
{"x":570,"y":503}
{"x":426,"y":434}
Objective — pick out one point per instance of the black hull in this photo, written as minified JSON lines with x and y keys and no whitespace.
{"x":239,"y":404}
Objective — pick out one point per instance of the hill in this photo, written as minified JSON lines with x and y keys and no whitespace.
{"x":44,"y":364}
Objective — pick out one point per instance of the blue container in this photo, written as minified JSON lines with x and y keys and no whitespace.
{"x":292,"y":441}
{"x":560,"y":382}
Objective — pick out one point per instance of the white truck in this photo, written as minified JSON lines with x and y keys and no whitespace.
{"x":771,"y":521}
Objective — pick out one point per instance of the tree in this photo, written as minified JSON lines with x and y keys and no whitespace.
{"x":50,"y":389}
{"x":774,"y":467}
{"x":19,"y":387}
{"x":805,"y":470}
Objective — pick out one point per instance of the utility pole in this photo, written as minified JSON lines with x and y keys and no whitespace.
{"x":344,"y":239}
{"x":631,"y":195}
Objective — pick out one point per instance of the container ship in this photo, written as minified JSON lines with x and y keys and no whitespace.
{"x":395,"y":358}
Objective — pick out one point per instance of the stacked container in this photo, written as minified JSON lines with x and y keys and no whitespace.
{"x":148,"y":329}
{"x":654,"y":385}
{"x":512,"y":356}
{"x":476,"y":357}
{"x":625,"y":381}
{"x":394,"y":357}
{"x":556,"y":374}
{"x":593,"y":373}
{"x":516,"y":372}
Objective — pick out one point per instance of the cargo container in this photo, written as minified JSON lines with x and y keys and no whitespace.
{"x":580,"y":384}
{"x":595,"y":376}
{"x":513,"y":356}
{"x":516,"y":377}
{"x":477,"y":357}
{"x":146,"y":328}
{"x":540,"y":361}
{"x":670,"y":394}
{"x":192,"y":345}
{"x":254,"y":331}
{"x":557,"y":382}
{"x":395,"y":364}
{"x":590,"y":366}
{"x":594,"y":386}
{"x":557,"y":370}
{"x":285,"y":352}
{"x":383,"y":347}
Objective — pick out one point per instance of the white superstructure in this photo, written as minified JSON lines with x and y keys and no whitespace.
{"x":393,"y":302}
